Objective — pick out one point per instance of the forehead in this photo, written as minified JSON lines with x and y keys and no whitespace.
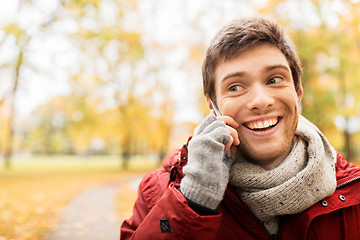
{"x":253,"y":60}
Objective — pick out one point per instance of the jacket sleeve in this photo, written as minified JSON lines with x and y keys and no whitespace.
{"x":165,"y":214}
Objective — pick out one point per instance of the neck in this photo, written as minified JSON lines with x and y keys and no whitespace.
{"x":269,"y":164}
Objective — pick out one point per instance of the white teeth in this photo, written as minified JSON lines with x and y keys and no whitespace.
{"x":266,"y":124}
{"x":262,"y":124}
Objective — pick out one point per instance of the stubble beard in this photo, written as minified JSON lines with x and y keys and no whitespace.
{"x":266,"y":155}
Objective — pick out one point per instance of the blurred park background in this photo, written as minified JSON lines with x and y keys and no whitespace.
{"x":95,"y":90}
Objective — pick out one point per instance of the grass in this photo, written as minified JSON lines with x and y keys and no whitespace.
{"x":36,"y":190}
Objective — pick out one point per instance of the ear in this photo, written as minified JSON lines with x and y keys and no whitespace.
{"x":209,"y":102}
{"x":300,"y":93}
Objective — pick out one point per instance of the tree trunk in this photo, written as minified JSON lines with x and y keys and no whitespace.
{"x":10,"y":125}
{"x":125,"y":160}
{"x":347,"y":138}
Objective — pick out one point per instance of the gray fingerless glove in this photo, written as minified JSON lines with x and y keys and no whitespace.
{"x":207,"y":170}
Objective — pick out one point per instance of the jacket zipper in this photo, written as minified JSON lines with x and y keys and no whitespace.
{"x":272,"y":236}
{"x":347,"y":182}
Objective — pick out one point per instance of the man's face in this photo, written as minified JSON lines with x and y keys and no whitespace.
{"x":257,"y":90}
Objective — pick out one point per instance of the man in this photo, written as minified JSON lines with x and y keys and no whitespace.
{"x":279,"y":179}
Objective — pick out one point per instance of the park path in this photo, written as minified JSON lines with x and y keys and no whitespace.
{"x":92,"y":215}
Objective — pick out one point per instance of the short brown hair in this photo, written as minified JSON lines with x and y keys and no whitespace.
{"x":239,"y":35}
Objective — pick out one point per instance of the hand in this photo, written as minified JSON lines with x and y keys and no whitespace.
{"x":231,"y":125}
{"x":207,"y":170}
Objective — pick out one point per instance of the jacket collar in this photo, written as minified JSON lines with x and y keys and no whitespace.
{"x":345,"y":172}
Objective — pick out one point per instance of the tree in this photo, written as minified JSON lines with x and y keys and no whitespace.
{"x":20,"y":38}
{"x":48,"y":129}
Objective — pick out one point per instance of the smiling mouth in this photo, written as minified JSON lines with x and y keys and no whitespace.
{"x":262,"y":125}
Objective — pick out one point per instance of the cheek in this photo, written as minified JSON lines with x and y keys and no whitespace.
{"x":293,"y":117}
{"x":292,"y":96}
{"x":231,"y":106}
{"x":293,"y":123}
{"x":291,"y":100}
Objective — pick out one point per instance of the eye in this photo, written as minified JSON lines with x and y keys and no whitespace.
{"x":235,"y":88}
{"x":274,"y":80}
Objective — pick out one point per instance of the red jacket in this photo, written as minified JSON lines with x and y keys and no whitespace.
{"x":162,"y":212}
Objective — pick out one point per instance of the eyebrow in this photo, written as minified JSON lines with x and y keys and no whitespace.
{"x":267,"y":69}
{"x":234,"y":74}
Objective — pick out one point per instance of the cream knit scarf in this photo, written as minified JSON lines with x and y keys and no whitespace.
{"x":305,"y":177}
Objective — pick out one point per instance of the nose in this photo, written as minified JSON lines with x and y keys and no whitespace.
{"x":259,"y":98}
